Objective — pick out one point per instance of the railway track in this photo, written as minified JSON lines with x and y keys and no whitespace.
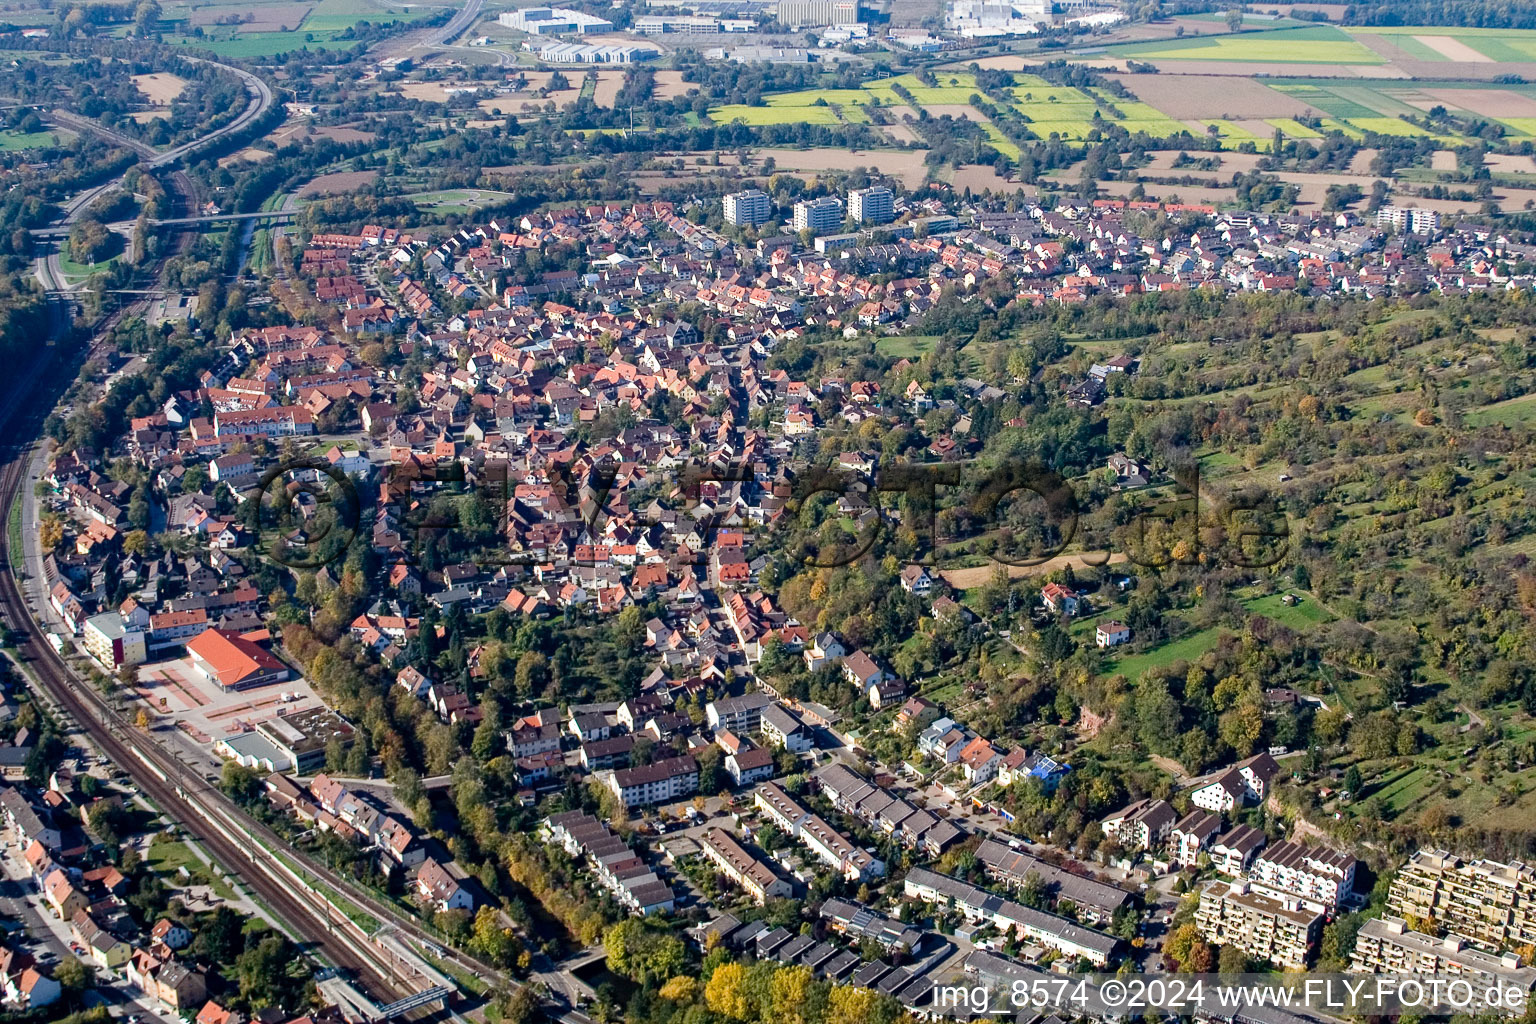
{"x":239,"y":844}
{"x":163,"y":781}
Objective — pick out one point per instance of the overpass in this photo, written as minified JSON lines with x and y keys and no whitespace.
{"x":57,"y":231}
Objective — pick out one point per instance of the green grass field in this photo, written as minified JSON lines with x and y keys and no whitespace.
{"x":1187,"y":647}
{"x":31,"y":140}
{"x":1314,"y":45}
{"x":908,"y":347}
{"x":1514,"y":412}
{"x":165,"y":858}
{"x":261,"y":44}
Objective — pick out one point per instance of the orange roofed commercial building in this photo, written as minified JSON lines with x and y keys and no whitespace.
{"x":234,"y":661}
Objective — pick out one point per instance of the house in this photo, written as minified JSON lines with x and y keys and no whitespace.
{"x":915,"y":580}
{"x":916,"y":709}
{"x":744,"y":868}
{"x":1142,"y":825}
{"x":26,"y":822}
{"x":436,"y":886}
{"x":29,"y":988}
{"x":171,"y":934}
{"x":1061,"y":600}
{"x":861,"y":670}
{"x":175,"y":985}
{"x":62,"y":894}
{"x":1111,"y":634}
{"x":1220,"y":794}
{"x":781,"y":727}
{"x":979,"y":760}
{"x":1234,"y":850}
{"x":748,"y":767}
{"x":1129,"y":472}
{"x":102,"y":948}
{"x":1247,"y":782}
{"x":1192,"y":834}
{"x":1258,"y":772}
{"x":826,"y":650}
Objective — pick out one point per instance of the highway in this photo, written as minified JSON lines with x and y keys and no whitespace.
{"x":401,"y":47}
{"x":48,"y":267}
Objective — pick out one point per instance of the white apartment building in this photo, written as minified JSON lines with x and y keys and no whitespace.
{"x":874,"y":205}
{"x":824,"y":214}
{"x":657,"y":783}
{"x":747,"y":208}
{"x":1320,"y":877}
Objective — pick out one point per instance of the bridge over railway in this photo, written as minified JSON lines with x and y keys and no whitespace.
{"x":59,"y":231}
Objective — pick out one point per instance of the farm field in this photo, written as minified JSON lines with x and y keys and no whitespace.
{"x":1452,"y":44}
{"x":844,"y":106}
{"x":1239,"y":112}
{"x":1312,"y":45}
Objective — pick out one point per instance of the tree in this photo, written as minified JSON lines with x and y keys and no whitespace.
{"x":262,"y":972}
{"x":726,"y":993}
{"x":492,"y":939}
{"x":75,"y":975}
{"x":1353,"y":782}
{"x":681,"y":989}
{"x":145,"y":17}
{"x":521,"y":1006}
{"x":238,"y":782}
{"x":50,"y":532}
{"x":1235,"y":19}
{"x":848,"y":1005}
{"x":789,"y":994}
{"x":643,"y":953}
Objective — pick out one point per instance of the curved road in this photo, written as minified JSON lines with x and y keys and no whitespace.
{"x":48,"y":267}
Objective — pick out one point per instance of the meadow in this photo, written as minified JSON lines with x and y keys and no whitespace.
{"x":320,"y":28}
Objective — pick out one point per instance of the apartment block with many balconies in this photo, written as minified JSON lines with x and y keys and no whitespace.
{"x":1388,"y":946}
{"x":1488,"y":902}
{"x":1262,"y":926}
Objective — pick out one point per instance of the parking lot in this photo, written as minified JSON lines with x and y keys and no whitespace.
{"x":174,"y":692}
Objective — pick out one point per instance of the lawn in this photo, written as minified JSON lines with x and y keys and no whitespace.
{"x":167,"y":857}
{"x":1187,"y":647}
{"x":909,"y":347}
{"x":29,"y":140}
{"x":458,"y":201}
{"x":1317,"y":45}
{"x":73,"y":269}
{"x":1299,"y":617}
